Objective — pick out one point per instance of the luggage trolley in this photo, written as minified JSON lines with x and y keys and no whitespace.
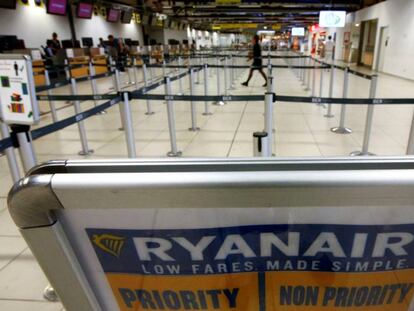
{"x":222,"y":234}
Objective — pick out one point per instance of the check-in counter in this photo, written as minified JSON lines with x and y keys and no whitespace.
{"x":100,"y":64}
{"x":81,"y":71}
{"x":38,"y":71}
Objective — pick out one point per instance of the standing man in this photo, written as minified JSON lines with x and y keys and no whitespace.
{"x":329,"y":49}
{"x":257,"y":61}
{"x":56,"y":46}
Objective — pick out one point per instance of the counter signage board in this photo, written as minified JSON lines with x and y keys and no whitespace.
{"x":17,"y":96}
{"x":254,"y":259}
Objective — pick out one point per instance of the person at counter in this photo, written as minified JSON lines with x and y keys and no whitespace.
{"x":257,"y":61}
{"x":56,"y":46}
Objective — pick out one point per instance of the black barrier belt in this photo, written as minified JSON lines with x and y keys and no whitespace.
{"x":48,"y":129}
{"x":89,"y":78}
{"x":51,"y":86}
{"x":199,"y":97}
{"x":347,"y":101}
{"x":77,"y":97}
{"x":354,"y":72}
{"x":5,"y":143}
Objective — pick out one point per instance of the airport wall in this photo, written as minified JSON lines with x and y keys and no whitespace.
{"x":35,"y":26}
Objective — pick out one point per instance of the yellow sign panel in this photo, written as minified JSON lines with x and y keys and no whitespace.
{"x":228,"y":1}
{"x":234,"y":26}
{"x":276,"y":26}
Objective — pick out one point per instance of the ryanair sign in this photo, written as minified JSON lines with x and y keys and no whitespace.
{"x":260,"y":267}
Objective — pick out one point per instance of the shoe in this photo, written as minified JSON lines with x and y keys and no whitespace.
{"x":244,"y":84}
{"x":264,"y":85}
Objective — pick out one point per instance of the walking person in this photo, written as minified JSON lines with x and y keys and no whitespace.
{"x":257,"y":61}
{"x":329,"y":49}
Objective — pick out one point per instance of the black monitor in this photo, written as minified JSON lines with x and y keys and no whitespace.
{"x":128,"y":42}
{"x":8,"y":4}
{"x":76,"y":44}
{"x":126,"y":17}
{"x":8,"y":43}
{"x":67,"y":44}
{"x":88,"y":42}
{"x":185,"y":41}
{"x":134,"y":43}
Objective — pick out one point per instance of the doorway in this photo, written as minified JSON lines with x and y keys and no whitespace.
{"x":382,"y":49}
{"x":367,"y":42}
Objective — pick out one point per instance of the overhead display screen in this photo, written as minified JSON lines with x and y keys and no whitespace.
{"x":332,"y":18}
{"x":298,"y":31}
{"x":57,"y":7}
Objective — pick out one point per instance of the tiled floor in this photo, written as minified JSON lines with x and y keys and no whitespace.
{"x":300,"y":130}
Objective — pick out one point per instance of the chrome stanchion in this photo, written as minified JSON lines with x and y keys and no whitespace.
{"x":180,"y":82}
{"x":11,"y":156}
{"x":314,"y":78}
{"x":129,"y":131}
{"x":144,"y":73}
{"x":129,"y":76}
{"x":198,"y":72}
{"x":171,"y":121}
{"x":321,"y":87}
{"x":51,"y":102}
{"x":308,"y":74}
{"x":118,"y":90}
{"x":341,"y":129}
{"x":24,"y":140}
{"x":206,"y":105}
{"x":134,"y":68}
{"x":302,"y":62}
{"x":194,"y":126}
{"x":232,"y":74}
{"x":220,"y":102}
{"x":269,"y":121}
{"x":410,"y":146}
{"x":226,"y":76}
{"x":150,"y":69}
{"x":163,"y":68}
{"x":67,"y":70}
{"x":81,"y":126}
{"x":331,"y":89}
{"x":368,"y":122}
{"x":94,"y":85}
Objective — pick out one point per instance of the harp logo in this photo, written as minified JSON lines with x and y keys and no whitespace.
{"x":109,"y":243}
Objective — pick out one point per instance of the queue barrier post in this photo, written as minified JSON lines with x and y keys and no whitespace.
{"x":150,"y":69}
{"x":302,"y":74}
{"x":226,"y":82}
{"x":11,"y":156}
{"x":410,"y":146}
{"x":118,"y":90}
{"x":24,"y":141}
{"x":331,"y":89}
{"x":314,"y":78}
{"x":67,"y":70}
{"x":368,"y":122}
{"x":198,"y":72}
{"x":93,"y":81}
{"x":81,"y":126}
{"x":134,"y":67}
{"x":260,"y":144}
{"x":163,"y":68}
{"x":321,"y":81}
{"x":341,"y":129}
{"x":145,"y":76}
{"x":308,"y":74}
{"x":127,"y":121}
{"x":193,"y":127}
{"x":220,"y":102}
{"x":206,"y":105}
{"x":51,"y":103}
{"x":171,"y":120}
{"x":268,"y":126}
{"x":232,"y":74}
{"x":180,"y":82}
{"x":129,"y":68}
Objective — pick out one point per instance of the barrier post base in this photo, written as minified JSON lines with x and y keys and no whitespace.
{"x":341,"y":130}
{"x":194,"y":129}
{"x":85,"y":153}
{"x":361,"y":153}
{"x":102,"y":112}
{"x":219,"y":103}
{"x":149,"y":113}
{"x":328,"y":115}
{"x":49,"y":294}
{"x":207,"y":113}
{"x":172,"y":154}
